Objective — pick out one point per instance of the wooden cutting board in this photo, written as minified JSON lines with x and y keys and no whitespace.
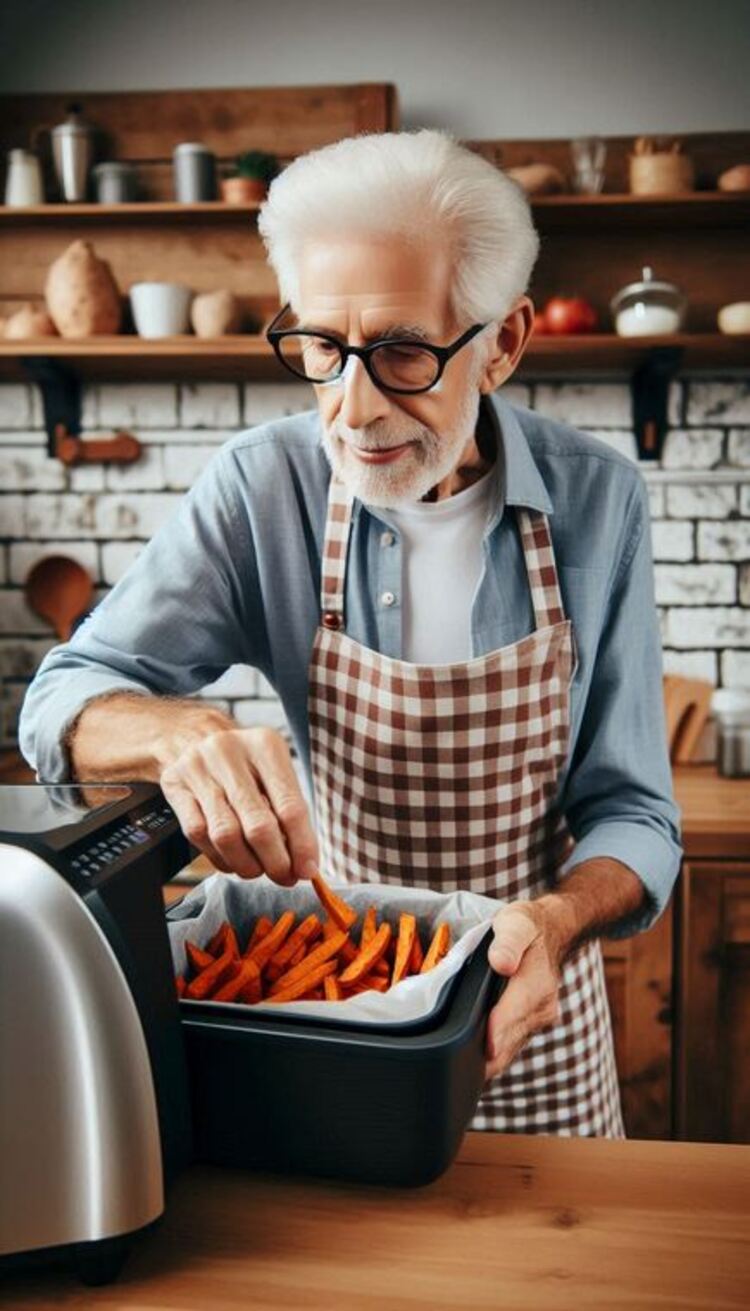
{"x":687,"y":702}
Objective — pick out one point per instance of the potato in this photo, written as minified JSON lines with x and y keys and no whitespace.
{"x":29,"y":321}
{"x":82,"y":296}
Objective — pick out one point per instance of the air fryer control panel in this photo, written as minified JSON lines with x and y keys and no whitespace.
{"x":90,"y":832}
{"x":104,"y":850}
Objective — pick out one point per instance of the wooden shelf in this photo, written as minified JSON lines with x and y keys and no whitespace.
{"x":693,"y":209}
{"x":250,"y":358}
{"x":719,"y":208}
{"x":167,"y":210}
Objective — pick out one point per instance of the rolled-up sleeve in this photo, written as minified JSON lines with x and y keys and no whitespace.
{"x":187,"y":609}
{"x":618,"y":797}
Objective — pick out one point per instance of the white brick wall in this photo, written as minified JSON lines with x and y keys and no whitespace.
{"x":102,"y":516}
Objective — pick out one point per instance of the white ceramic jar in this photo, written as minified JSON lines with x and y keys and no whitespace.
{"x":23,"y":182}
{"x":160,"y":309}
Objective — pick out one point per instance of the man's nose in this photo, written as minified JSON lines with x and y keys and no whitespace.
{"x":362,"y":401}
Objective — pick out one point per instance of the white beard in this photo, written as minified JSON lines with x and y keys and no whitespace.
{"x":431,"y":457}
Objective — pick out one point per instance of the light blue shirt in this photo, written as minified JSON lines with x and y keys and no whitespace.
{"x":234,"y":578}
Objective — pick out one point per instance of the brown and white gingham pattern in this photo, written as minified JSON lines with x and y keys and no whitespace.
{"x":445,"y":776}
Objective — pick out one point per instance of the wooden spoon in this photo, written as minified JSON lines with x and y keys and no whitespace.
{"x":59,"y":589}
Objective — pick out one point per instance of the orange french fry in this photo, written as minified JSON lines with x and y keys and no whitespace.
{"x":197,"y":958}
{"x":407,"y":929}
{"x":268,"y":946}
{"x":417,"y":955}
{"x":263,"y":927}
{"x":212,"y":977}
{"x":247,"y":976}
{"x":369,"y":926}
{"x":215,"y":944}
{"x":382,"y":968}
{"x":368,"y":984}
{"x":437,"y":948}
{"x":224,"y":937}
{"x":331,"y":988}
{"x":319,"y":955}
{"x":368,"y":957}
{"x":348,"y":951}
{"x":180,"y":984}
{"x":340,"y":913}
{"x":305,"y":934}
{"x":299,"y":988}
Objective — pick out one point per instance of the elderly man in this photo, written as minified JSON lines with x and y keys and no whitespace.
{"x":452,"y":595}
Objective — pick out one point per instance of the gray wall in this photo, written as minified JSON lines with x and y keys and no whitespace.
{"x":482,"y":68}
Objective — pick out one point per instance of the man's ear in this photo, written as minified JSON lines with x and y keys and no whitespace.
{"x":508,"y":345}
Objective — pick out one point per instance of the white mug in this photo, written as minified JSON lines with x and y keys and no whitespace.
{"x":160,"y":309}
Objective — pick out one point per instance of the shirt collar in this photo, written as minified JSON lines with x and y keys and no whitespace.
{"x":518,"y":480}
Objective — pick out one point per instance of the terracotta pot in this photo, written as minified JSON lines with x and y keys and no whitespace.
{"x":243,"y":191}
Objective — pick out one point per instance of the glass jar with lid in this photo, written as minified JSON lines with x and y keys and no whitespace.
{"x":649,"y":308}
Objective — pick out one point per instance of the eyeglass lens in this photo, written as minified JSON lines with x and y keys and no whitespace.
{"x":320,"y":360}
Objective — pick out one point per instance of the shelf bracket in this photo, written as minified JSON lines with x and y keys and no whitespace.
{"x":649,"y":389}
{"x":61,"y":390}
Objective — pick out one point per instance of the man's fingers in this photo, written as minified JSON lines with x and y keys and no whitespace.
{"x":192,"y":821}
{"x":530,"y":1002}
{"x":253,"y":826}
{"x":282,"y":787}
{"x":514,"y":933}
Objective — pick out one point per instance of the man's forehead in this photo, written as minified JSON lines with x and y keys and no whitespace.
{"x":386,"y":320}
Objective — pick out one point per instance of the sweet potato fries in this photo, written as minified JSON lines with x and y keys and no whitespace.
{"x":319,"y":958}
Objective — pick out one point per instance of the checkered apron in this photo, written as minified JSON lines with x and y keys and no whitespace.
{"x":445,"y":777}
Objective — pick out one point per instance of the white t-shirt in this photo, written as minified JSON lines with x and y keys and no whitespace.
{"x":441,"y":564}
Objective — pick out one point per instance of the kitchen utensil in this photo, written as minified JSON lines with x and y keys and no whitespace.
{"x":160,"y":309}
{"x":687,"y":704}
{"x":589,"y":156}
{"x":59,"y":589}
{"x":73,"y":154}
{"x":115,"y":182}
{"x":23,"y":183}
{"x":648,"y":308}
{"x":93,"y":1088}
{"x":194,"y":173}
{"x":731,"y":708}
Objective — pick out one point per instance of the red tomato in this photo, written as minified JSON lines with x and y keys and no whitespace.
{"x":569,"y":314}
{"x":540,"y":323}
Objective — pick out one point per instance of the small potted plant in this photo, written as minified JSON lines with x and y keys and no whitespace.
{"x":249,"y":183}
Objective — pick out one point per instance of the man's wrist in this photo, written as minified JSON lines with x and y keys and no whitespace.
{"x":189,"y":726}
{"x":596,"y":895}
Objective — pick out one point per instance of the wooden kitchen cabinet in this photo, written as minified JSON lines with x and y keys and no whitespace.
{"x":680,"y":993}
{"x":712,"y":973}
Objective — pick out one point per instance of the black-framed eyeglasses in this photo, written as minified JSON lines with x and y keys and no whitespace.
{"x":397,"y":364}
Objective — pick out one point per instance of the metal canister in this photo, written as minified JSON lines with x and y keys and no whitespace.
{"x":731,"y":708}
{"x":194,"y":173}
{"x":115,"y":182}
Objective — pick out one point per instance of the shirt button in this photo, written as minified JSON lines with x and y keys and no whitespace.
{"x":388,"y":598}
{"x":387,"y":539}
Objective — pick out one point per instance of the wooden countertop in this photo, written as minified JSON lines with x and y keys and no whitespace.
{"x":715,"y":812}
{"x":517,"y":1222}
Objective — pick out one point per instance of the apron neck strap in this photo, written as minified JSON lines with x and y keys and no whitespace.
{"x":333,"y":570}
{"x":541,"y":568}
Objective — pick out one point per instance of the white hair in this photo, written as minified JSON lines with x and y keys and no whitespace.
{"x":410,"y":186}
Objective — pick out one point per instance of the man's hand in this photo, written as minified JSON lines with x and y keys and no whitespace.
{"x":238,"y":800}
{"x":528,"y":947}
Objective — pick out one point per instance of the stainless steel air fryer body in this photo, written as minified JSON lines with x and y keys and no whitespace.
{"x":79,"y":1131}
{"x":94,"y":1099}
